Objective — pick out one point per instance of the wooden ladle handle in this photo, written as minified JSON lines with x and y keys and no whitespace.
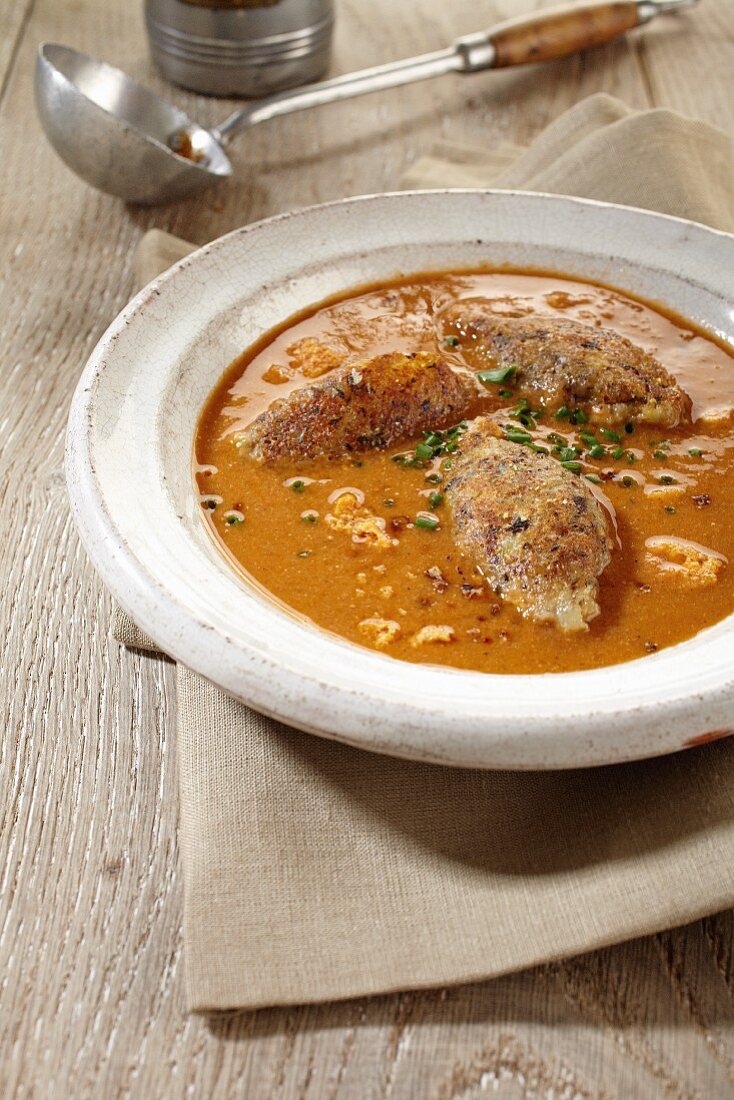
{"x":561,"y":31}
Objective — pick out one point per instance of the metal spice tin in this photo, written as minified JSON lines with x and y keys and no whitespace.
{"x":240,"y":47}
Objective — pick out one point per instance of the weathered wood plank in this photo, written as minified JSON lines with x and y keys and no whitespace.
{"x":14,"y":16}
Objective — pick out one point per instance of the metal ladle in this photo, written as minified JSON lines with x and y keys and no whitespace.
{"x":125,"y":140}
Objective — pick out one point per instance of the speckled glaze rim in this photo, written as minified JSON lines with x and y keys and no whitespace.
{"x":131,"y":429}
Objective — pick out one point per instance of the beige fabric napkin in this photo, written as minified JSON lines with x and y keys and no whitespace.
{"x":314,"y":871}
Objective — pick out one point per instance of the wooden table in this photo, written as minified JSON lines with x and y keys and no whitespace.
{"x":90,"y":927}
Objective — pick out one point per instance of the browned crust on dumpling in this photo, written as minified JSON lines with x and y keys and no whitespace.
{"x":564,"y":362}
{"x":367,"y":405}
{"x":533,"y":529}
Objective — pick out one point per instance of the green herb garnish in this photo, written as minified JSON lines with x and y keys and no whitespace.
{"x":597,"y":451}
{"x":613,"y":437}
{"x":298,"y":486}
{"x":433,"y":445}
{"x":666,"y":479}
{"x":426,"y":521}
{"x":495,"y":377}
{"x":451,"y":342}
{"x":434,"y":499}
{"x":563,"y":413}
{"x":574,"y":467}
{"x":695,"y":452}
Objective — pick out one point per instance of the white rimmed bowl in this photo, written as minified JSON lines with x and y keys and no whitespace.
{"x":130,"y":438}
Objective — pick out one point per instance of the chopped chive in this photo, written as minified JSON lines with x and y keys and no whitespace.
{"x":426,"y":521}
{"x":613,"y":437}
{"x":617,"y":453}
{"x":538,"y":450}
{"x":568,"y":454}
{"x":231,"y":521}
{"x":298,"y":486}
{"x":593,"y":477}
{"x":451,"y":342}
{"x":434,"y":479}
{"x":559,"y":440}
{"x":695,"y":452}
{"x":505,"y":393}
{"x":666,"y":479}
{"x":494,"y":377}
{"x":628,"y":481}
{"x":660,"y":455}
{"x":574,"y":467}
{"x":579,"y":417}
{"x":563,"y":413}
{"x":516,"y":436}
{"x":588,"y":436}
{"x":447,"y":464}
{"x":434,"y":499}
{"x":424,"y":450}
{"x":597,"y":451}
{"x":309,"y":517}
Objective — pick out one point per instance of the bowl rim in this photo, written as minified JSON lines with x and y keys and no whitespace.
{"x":525,"y":738}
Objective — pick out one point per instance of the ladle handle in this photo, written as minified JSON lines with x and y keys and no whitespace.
{"x":548,"y":34}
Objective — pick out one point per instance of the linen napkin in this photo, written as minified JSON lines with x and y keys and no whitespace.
{"x":315,"y":871}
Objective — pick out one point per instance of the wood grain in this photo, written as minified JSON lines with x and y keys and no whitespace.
{"x":90,"y":944}
{"x":559,"y":33}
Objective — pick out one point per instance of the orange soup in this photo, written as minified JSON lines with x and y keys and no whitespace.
{"x":363,"y":546}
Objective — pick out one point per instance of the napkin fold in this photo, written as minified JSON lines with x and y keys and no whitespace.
{"x":314,"y":871}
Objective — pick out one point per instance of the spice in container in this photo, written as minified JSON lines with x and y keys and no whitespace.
{"x":246,"y":48}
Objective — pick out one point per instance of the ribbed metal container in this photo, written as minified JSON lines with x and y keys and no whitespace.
{"x":241,"y":47}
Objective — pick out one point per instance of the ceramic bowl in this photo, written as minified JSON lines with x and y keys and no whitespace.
{"x":129,"y":450}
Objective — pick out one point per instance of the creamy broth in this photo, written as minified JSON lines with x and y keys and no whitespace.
{"x":272,"y":521}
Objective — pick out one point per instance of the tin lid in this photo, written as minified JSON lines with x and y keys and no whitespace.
{"x":243,"y":48}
